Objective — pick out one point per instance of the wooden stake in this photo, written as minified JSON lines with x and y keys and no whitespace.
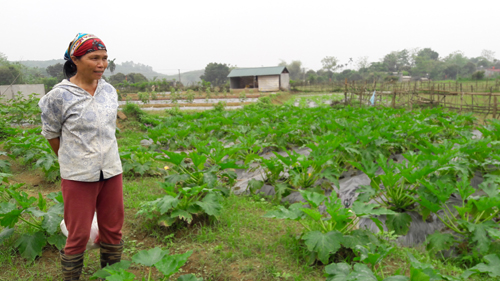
{"x":461,"y":102}
{"x":345,"y":93}
{"x":495,"y":107}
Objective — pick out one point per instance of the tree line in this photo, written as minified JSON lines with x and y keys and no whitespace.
{"x":417,"y":63}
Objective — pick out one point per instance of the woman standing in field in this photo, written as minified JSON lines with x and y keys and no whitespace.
{"x":79,"y":121}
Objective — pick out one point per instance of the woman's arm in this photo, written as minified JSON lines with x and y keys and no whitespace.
{"x":54,"y":143}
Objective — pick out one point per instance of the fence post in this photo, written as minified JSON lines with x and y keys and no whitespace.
{"x":495,"y":107}
{"x":472,"y":98}
{"x":361,"y":97}
{"x":345,"y":92}
{"x":461,"y":102}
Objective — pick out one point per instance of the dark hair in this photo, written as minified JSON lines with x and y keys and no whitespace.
{"x":70,"y":68}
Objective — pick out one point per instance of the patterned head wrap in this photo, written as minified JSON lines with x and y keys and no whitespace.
{"x":83,"y":43}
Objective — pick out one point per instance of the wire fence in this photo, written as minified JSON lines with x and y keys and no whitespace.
{"x":477,"y":97}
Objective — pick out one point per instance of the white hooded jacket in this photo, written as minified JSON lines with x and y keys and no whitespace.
{"x":86,"y":126}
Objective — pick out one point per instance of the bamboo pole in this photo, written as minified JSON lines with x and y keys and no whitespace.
{"x":495,"y":107}
{"x":461,"y":102}
{"x":345,"y":93}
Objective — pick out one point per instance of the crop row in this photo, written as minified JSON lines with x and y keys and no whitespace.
{"x":204,"y":155}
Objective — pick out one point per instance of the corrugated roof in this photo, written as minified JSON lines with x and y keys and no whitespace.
{"x":257,"y":71}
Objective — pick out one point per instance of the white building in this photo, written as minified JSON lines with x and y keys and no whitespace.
{"x":266,"y":79}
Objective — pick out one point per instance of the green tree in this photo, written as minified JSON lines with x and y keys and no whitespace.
{"x":428,"y":53}
{"x":469,"y":68}
{"x":117,"y":78}
{"x":136,"y":78}
{"x":111,"y":65}
{"x":294,"y":68}
{"x":478,"y":75}
{"x":56,"y":71}
{"x":216,"y":73}
{"x":427,"y":64}
{"x":9,"y":73}
{"x":397,"y":60}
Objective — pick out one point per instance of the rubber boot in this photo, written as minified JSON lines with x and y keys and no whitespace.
{"x":71,"y":266}
{"x":111,"y":253}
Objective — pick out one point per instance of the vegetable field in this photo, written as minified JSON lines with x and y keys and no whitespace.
{"x":273,"y":192}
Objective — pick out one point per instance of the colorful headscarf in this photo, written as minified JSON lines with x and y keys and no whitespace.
{"x":83,"y":43}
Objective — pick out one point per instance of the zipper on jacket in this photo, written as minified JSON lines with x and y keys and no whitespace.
{"x":99,"y":129}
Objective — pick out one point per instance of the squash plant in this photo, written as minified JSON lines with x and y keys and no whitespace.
{"x":182,"y":204}
{"x":160,"y":259}
{"x":18,"y":208}
{"x":138,"y":160}
{"x":470,"y":217}
{"x":32,"y":149}
{"x":193,"y":188}
{"x":325,"y":233}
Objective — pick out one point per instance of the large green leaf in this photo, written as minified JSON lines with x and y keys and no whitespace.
{"x":105,"y":272}
{"x":399,"y":223}
{"x":294,"y":212}
{"x":174,"y":158}
{"x":166,"y":203}
{"x":313,"y":198}
{"x":22,"y":198}
{"x":56,"y":197}
{"x":210,"y":179}
{"x":230,"y":165}
{"x":6,"y":207}
{"x":121,"y":275}
{"x":170,"y":264}
{"x":423,"y":271}
{"x":361,"y":272}
{"x":142,"y":168}
{"x":149,"y":257}
{"x":439,"y":241}
{"x":189,"y":277}
{"x":198,"y":159}
{"x":492,"y":267}
{"x":58,"y":240}
{"x":312,"y":213}
{"x":11,"y":218}
{"x":175,"y":178}
{"x":52,"y":219}
{"x":166,"y":220}
{"x":4,"y":177}
{"x":254,"y":185}
{"x":182,"y":214}
{"x":4,"y":166}
{"x":323,"y":243}
{"x":6,"y":233}
{"x":479,"y":236}
{"x":364,"y":209}
{"x":30,"y":245}
{"x":337,"y":271}
{"x":210,"y":204}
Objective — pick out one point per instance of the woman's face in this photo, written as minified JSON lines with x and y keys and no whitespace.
{"x":92,"y":65}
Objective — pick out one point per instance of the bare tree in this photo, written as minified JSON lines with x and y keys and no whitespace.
{"x":362,"y":62}
{"x":489,"y":55}
{"x":330,"y":63}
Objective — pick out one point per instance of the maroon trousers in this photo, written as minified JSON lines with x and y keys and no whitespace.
{"x":81,"y":200}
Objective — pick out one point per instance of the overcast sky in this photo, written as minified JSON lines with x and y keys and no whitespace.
{"x":187,"y":35}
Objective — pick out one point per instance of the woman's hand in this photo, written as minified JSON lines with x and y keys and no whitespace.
{"x":54,"y":143}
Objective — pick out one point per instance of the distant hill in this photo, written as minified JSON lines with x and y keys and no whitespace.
{"x":40,"y":63}
{"x":188,"y":78}
{"x":127,"y":67}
